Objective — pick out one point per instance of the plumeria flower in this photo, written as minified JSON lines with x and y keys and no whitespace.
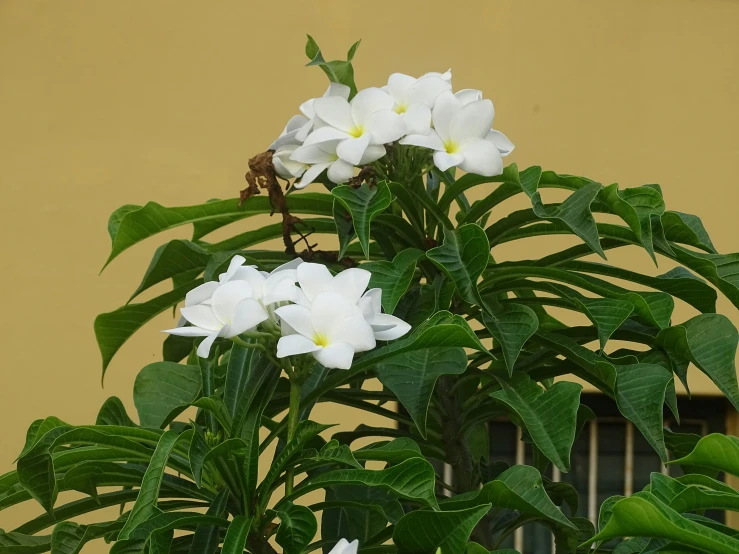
{"x":385,"y":326}
{"x":467,"y":95}
{"x":330,"y":330}
{"x":447,"y":75}
{"x":229,"y":311}
{"x":414,"y":99}
{"x":360,"y":128}
{"x":267,"y":288}
{"x":334,"y":89}
{"x":289,"y":133}
{"x":459,"y":136}
{"x":345,"y":547}
{"x":320,"y":157}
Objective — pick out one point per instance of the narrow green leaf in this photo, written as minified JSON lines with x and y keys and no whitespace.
{"x":344,"y":227}
{"x":146,"y":500}
{"x":364,"y":204}
{"x":238,"y":531}
{"x":207,"y":537}
{"x":114,"y":328}
{"x":332,"y":451}
{"x":217,"y":408}
{"x":550,"y":415}
{"x":413,"y":375}
{"x":164,"y":389}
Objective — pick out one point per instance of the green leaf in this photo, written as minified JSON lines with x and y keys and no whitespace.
{"x":640,"y":395}
{"x":114,"y":328}
{"x":145,"y":504}
{"x":394,"y":451}
{"x":207,"y":537}
{"x":171,"y":259}
{"x":607,"y":314}
{"x":463,"y":257}
{"x":364,"y":204}
{"x":338,"y":71}
{"x":332,"y":451}
{"x":344,"y":227}
{"x":643,"y":515}
{"x":134,"y":224}
{"x":69,"y":537}
{"x":18,"y":543}
{"x":197,"y":452}
{"x":162,"y":390}
{"x":394,"y":277}
{"x":412,"y":480}
{"x":412,"y":377}
{"x":550,"y":416}
{"x":511,"y":325}
{"x":113,"y":412}
{"x":217,"y":408}
{"x":163,"y":522}
{"x":692,"y":493}
{"x":715,"y":451}
{"x":709,"y":341}
{"x":238,"y":531}
{"x":423,"y":531}
{"x":297,"y":528}
{"x":518,"y":488}
{"x":686,"y":229}
{"x":721,"y":270}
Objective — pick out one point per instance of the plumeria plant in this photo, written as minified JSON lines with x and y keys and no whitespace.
{"x":403,"y":287}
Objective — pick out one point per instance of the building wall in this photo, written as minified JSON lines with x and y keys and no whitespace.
{"x":104,"y":103}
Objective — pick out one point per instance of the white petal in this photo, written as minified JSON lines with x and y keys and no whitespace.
{"x":445,"y":107}
{"x":280,"y":168}
{"x":302,"y":133}
{"x":301,"y":298}
{"x":313,"y":278}
{"x":204,"y":347}
{"x":447,"y":75}
{"x":351,"y":150}
{"x":369,"y":101}
{"x":298,"y":318}
{"x":384,"y":126}
{"x":340,"y":547}
{"x":310,"y":175}
{"x":373,"y":152}
{"x":481,"y":157}
{"x":292,"y":264}
{"x":398,"y":85}
{"x":444,"y":161}
{"x":427,"y":89}
{"x":325,"y":134}
{"x":283,"y":290}
{"x":235,"y":263}
{"x":227,"y":296}
{"x":367,"y":308}
{"x":312,"y":154}
{"x":397,"y":329}
{"x":375,"y":296}
{"x":285,"y":139}
{"x":467,"y":95}
{"x":353,"y":330}
{"x":339,"y":355}
{"x":252,"y":276}
{"x":338,"y":89}
{"x":417,"y":119}
{"x":335,"y":111}
{"x":201,"y":294}
{"x":292,"y":345}
{"x":247,"y":314}
{"x":326,"y":309}
{"x":295,"y":123}
{"x":472,"y":121}
{"x":340,"y":172}
{"x":432,"y":140}
{"x":307,"y":109}
{"x":501,"y":142}
{"x":188,"y":332}
{"x":202,"y":316}
{"x":351,"y":283}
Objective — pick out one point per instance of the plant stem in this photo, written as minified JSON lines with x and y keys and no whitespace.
{"x":292,"y":424}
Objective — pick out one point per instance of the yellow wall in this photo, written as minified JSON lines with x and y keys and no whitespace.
{"x":104,"y":103}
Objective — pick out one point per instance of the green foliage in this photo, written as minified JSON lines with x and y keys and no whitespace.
{"x":484,"y":344}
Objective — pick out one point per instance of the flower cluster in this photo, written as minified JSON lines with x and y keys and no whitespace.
{"x":309,"y":309}
{"x":335,"y":134}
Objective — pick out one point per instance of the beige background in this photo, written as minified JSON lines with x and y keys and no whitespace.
{"x":104,"y":103}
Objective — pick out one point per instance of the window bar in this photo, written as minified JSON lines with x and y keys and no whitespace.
{"x":520,"y":460}
{"x":593,"y":474}
{"x":448,"y":479}
{"x":556,"y":478}
{"x":629,"y":460}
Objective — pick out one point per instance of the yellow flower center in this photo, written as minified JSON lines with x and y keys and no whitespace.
{"x":451,"y":147}
{"x":320,"y":340}
{"x":356,"y":132}
{"x":400,"y":108}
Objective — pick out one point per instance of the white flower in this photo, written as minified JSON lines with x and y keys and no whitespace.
{"x":345,"y":547}
{"x":285,"y":166}
{"x":267,"y":288}
{"x":385,"y":326}
{"x":459,"y":136}
{"x":359,"y":128}
{"x":289,"y":133}
{"x":334,"y":89}
{"x":467,"y":95}
{"x":447,"y":75}
{"x":331,"y":330}
{"x":319,"y":157}
{"x":414,"y":99}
